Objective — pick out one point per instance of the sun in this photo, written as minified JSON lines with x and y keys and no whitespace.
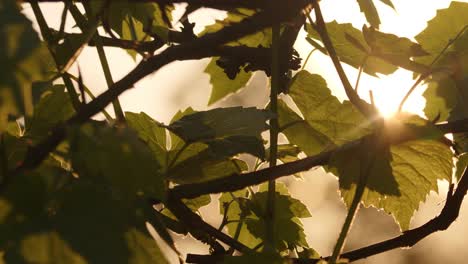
{"x":389,"y":91}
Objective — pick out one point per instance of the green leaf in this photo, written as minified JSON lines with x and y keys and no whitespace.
{"x":39,"y":220}
{"x":288,"y":227}
{"x":253,"y":40}
{"x":115,"y":156}
{"x":237,"y":209}
{"x":328,"y":122}
{"x":194,"y":162}
{"x":286,"y":153}
{"x":369,"y":10}
{"x":53,"y":107}
{"x":441,"y":97}
{"x":391,"y":46}
{"x":441,"y":29}
{"x":198,"y":163}
{"x":129,"y":19}
{"x":196,"y":203}
{"x":221,"y":123}
{"x":151,"y":132}
{"x":222,"y":85}
{"x":446,"y":95}
{"x":399,"y":179}
{"x":23,"y":60}
{"x":352,"y":49}
{"x":462,"y":163}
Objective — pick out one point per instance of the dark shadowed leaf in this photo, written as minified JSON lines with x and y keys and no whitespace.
{"x":53,"y":107}
{"x":23,"y":59}
{"x":221,"y":123}
{"x":117,"y":158}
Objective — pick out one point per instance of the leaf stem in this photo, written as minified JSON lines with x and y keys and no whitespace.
{"x":361,"y":68}
{"x":354,"y":98}
{"x":119,"y":114}
{"x":371,"y":144}
{"x":307,"y":58}
{"x":90,"y":94}
{"x":274,"y":130}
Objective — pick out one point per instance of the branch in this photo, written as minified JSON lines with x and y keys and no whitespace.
{"x":409,"y":238}
{"x":205,"y":46}
{"x":217,"y":4}
{"x":354,"y":98}
{"x":240,"y":181}
{"x":196,"y":223}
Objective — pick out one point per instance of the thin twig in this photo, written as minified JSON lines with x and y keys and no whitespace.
{"x":354,"y":98}
{"x":240,"y":181}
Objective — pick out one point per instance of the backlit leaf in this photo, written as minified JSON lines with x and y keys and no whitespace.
{"x":348,"y":51}
{"x":441,"y":29}
{"x":222,"y":85}
{"x":328,"y":122}
{"x":369,"y":10}
{"x":400,"y":178}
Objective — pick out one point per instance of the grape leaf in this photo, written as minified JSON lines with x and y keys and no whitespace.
{"x":221,"y":83}
{"x":24,"y":59}
{"x":198,"y":163}
{"x":288,"y":227}
{"x":129,"y":20}
{"x":328,"y":122}
{"x":151,"y":132}
{"x":288,"y":231}
{"x":193,"y":162}
{"x":369,"y":10}
{"x":352,"y":49}
{"x":221,"y":123}
{"x":53,"y":107}
{"x":441,"y":29}
{"x":237,"y":209}
{"x":39,"y":220}
{"x":399,"y":178}
{"x":440,"y":96}
{"x":391,"y":46}
{"x":118,"y":158}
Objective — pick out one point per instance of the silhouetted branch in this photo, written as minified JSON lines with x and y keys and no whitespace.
{"x":240,"y":181}
{"x":196,"y":224}
{"x":205,"y":46}
{"x":409,"y":238}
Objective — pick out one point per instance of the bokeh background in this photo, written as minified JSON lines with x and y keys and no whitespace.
{"x":183,"y":84}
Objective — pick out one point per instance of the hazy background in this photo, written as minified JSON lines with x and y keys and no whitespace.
{"x":183,"y":84}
